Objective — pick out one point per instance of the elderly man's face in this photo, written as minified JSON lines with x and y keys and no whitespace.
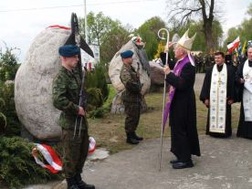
{"x":179,"y":52}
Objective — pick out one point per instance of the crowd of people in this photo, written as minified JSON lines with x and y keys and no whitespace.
{"x":223,"y":85}
{"x":228,"y":80}
{"x":205,"y":61}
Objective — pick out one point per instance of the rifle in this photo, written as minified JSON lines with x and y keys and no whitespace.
{"x":79,"y":119}
{"x":76,"y":39}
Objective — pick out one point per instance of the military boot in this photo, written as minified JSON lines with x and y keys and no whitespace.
{"x":71,"y":184}
{"x":137,"y":137}
{"x":131,"y":139}
{"x":81,"y":184}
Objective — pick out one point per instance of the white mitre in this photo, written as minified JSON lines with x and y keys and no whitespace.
{"x":186,"y":42}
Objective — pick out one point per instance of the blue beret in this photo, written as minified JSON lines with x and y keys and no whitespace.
{"x":127,"y":54}
{"x":69,"y":50}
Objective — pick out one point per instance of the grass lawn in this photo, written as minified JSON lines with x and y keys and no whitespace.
{"x":109,"y":131}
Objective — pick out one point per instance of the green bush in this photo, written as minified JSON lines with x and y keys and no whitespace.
{"x":8,"y":109}
{"x":18,"y":167}
{"x":106,"y":106}
{"x":8,"y":64}
{"x":97,"y":91}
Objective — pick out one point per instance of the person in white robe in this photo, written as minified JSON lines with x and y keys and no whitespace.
{"x":244,"y":82}
{"x":218,"y":95}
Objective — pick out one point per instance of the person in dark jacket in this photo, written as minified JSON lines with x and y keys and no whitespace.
{"x":75,"y":141}
{"x":181,"y":105}
{"x":131,"y":97}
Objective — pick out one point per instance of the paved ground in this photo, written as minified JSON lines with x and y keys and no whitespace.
{"x":224,"y":164}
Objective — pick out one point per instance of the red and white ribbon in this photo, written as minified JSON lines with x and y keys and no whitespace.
{"x":92,"y":145}
{"x":54,"y":162}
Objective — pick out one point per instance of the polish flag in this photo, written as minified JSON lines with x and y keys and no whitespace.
{"x":233,"y":45}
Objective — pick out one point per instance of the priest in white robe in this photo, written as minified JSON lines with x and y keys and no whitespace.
{"x":218,"y":94}
{"x":244,"y":81}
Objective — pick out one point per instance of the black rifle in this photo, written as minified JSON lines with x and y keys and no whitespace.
{"x":76,"y":39}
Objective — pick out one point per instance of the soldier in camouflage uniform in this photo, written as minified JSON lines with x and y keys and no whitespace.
{"x":66,"y":89}
{"x":131,"y":97}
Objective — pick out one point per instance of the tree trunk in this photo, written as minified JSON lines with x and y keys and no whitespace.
{"x":207,"y":27}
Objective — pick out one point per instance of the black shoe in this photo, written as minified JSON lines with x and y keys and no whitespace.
{"x":71,"y":183}
{"x":81,"y":184}
{"x":89,"y":186}
{"x":132,"y":141}
{"x":137,"y":137}
{"x":174,"y":161}
{"x":182,"y":165}
{"x":74,"y":186}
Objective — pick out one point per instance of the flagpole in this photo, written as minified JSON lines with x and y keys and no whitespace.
{"x":85,"y":16}
{"x":161,"y":34}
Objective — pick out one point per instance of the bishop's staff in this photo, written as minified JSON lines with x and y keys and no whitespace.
{"x":161,"y":34}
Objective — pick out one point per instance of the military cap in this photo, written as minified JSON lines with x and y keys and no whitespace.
{"x":69,"y":50}
{"x":127,"y":54}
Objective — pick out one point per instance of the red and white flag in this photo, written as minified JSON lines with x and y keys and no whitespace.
{"x":233,"y":45}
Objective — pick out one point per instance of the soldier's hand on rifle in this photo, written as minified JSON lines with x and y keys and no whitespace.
{"x":81,"y":111}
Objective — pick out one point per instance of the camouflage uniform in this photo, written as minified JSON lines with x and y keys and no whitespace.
{"x":66,"y":89}
{"x":131,"y":97}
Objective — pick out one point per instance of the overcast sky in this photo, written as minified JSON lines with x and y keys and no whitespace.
{"x":22,"y":20}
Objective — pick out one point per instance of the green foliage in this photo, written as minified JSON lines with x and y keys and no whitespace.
{"x":8,"y":65}
{"x":243,"y":30}
{"x":3,"y":123}
{"x":98,"y":27}
{"x":97,"y":89}
{"x":110,"y":35}
{"x":3,"y":119}
{"x":200,"y":43}
{"x":8,"y":69}
{"x":7,"y":95}
{"x":18,"y":167}
{"x":95,"y":99}
{"x":112,"y":93}
{"x":249,"y":11}
{"x":106,"y":107}
{"x":113,"y":41}
{"x":148,"y":32}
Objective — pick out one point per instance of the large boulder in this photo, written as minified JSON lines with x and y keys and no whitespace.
{"x":140,"y":63}
{"x":156,"y":73}
{"x":33,"y":84}
{"x":116,"y":63}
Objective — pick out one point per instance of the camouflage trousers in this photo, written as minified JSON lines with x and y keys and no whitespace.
{"x":74,"y":151}
{"x":132,"y":111}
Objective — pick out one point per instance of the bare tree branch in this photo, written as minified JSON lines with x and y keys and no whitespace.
{"x":180,"y":12}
